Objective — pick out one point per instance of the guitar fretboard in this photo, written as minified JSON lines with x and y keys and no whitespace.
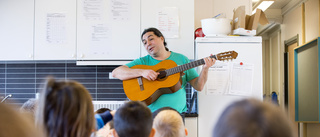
{"x":187,"y":66}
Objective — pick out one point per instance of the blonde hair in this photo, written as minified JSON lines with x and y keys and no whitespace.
{"x":168,"y":123}
{"x":14,"y":124}
{"x":66,"y":109}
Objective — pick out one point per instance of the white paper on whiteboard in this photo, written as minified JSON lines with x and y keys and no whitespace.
{"x":100,"y":41}
{"x":56,"y":28}
{"x":218,"y":79}
{"x":121,"y":9}
{"x":241,"y":80}
{"x":92,"y":10}
{"x":168,"y":22}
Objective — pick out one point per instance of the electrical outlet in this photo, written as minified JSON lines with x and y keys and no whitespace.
{"x":110,"y":76}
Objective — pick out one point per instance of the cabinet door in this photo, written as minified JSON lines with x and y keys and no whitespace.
{"x":191,"y":123}
{"x":16,"y":29}
{"x":171,"y":17}
{"x":55,"y":30}
{"x":108,"y":30}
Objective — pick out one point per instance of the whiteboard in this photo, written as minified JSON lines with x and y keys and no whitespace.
{"x":108,"y":30}
{"x":16,"y":29}
{"x":55,"y":30}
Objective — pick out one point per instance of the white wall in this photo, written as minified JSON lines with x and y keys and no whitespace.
{"x":209,"y":8}
{"x":202,"y":9}
{"x":312,"y":32}
{"x":292,"y":25}
{"x":312,"y":19}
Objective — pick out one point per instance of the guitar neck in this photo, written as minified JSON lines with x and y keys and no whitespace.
{"x":187,"y":66}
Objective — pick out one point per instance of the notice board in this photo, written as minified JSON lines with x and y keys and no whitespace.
{"x":306,"y":65}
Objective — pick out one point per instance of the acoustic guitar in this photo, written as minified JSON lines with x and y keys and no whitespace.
{"x":168,"y":81}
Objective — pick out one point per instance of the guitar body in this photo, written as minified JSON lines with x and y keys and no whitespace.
{"x":141,"y":89}
{"x":152,"y":90}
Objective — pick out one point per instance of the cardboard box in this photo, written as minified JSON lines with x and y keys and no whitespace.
{"x":245,"y":24}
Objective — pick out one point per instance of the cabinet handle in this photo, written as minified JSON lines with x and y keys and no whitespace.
{"x":31,"y":56}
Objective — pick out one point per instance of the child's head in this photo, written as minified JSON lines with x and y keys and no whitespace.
{"x":133,"y":119}
{"x":66,"y":109}
{"x":14,"y":124}
{"x":252,"y":118}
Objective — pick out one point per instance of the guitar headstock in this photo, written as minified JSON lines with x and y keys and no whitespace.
{"x":229,"y":55}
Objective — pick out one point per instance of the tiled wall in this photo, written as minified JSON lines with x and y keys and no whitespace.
{"x":24,"y":79}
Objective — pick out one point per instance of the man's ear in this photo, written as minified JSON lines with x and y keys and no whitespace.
{"x":115,"y":134}
{"x":186,"y":131}
{"x":162,"y":38}
{"x":152,"y":133}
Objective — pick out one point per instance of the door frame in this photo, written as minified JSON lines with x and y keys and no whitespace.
{"x":287,"y":43}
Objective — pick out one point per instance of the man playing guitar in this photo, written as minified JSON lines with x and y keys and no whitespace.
{"x":155,"y":44}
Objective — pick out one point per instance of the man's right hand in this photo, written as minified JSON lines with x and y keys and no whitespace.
{"x":149,"y":74}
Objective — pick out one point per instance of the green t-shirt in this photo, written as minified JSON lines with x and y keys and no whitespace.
{"x":175,"y":100}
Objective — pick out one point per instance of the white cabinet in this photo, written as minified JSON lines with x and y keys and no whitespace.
{"x":55,"y":30}
{"x":237,"y":79}
{"x":16,"y":29}
{"x":191,"y":123}
{"x":150,"y":14}
{"x":87,"y":29}
{"x":108,"y":30}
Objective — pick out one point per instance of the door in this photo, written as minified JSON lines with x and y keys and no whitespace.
{"x":290,"y":81}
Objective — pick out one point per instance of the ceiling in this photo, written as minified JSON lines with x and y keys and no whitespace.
{"x":273,"y":15}
{"x":278,"y":4}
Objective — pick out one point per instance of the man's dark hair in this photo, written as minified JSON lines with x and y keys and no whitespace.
{"x":157,"y":33}
{"x":133,"y":119}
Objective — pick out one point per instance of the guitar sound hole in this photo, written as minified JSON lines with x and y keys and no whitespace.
{"x":161,"y":78}
{"x":162,"y":75}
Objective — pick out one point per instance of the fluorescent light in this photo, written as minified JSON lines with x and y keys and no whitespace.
{"x":263,"y":5}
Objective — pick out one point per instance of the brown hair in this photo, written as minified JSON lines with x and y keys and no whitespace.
{"x":66,"y":109}
{"x":101,"y":110}
{"x":133,"y":119}
{"x":252,"y":118}
{"x":14,"y":124}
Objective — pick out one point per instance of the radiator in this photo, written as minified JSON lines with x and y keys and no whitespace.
{"x":113,"y":105}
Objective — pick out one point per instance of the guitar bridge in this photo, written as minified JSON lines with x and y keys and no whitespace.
{"x":140,"y":83}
